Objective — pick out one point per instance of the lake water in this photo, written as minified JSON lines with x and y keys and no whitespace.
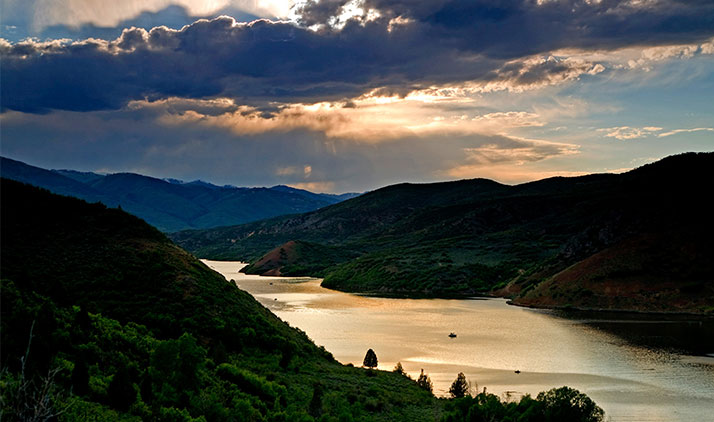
{"x":636,"y":368}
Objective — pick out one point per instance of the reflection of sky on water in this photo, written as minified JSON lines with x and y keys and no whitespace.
{"x":630,"y":382}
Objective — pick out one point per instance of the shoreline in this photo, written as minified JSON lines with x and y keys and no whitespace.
{"x":580,"y":309}
{"x":477,"y":296}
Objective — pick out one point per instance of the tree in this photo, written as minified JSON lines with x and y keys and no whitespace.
{"x":80,"y":377}
{"x":370,"y":359}
{"x":399,"y":370}
{"x":568,"y":404}
{"x":219,"y":354}
{"x":175,"y":369}
{"x":425,"y":382}
{"x":26,"y":398}
{"x":121,"y":393}
{"x":460,"y":387}
{"x":315,"y":407}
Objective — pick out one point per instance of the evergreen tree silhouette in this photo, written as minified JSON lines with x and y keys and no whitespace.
{"x":425,"y":382}
{"x":370,"y":359}
{"x":460,"y":387}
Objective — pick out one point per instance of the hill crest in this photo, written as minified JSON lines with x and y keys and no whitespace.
{"x":477,"y":236}
{"x":171,"y":205}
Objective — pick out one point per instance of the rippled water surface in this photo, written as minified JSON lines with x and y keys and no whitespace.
{"x":636,"y":368}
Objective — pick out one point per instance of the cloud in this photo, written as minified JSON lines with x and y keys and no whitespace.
{"x":535,"y":72}
{"x":39,"y":15}
{"x":137,"y":140}
{"x":398,"y":46}
{"x":352,"y":95}
{"x":513,"y":160}
{"x":676,"y":131}
{"x":371,"y":118}
{"x":518,"y":151}
{"x":500,"y":27}
{"x":315,"y":186}
{"x":626,"y":132}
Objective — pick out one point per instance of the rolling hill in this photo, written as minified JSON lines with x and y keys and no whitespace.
{"x":481,"y":237}
{"x":104,"y":318}
{"x":172,"y":205}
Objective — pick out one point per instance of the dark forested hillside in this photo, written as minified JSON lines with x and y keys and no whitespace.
{"x":172,"y":205}
{"x":124,"y":325}
{"x":477,"y":236}
{"x":113,"y":263}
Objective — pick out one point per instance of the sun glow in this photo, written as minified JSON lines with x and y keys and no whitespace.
{"x":108,"y":14}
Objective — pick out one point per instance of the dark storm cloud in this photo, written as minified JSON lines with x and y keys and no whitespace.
{"x":413,"y":44}
{"x":513,"y":28}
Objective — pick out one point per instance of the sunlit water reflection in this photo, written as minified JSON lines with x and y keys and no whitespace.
{"x":630,"y":381}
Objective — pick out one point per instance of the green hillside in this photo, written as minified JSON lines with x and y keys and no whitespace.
{"x":478,"y":236}
{"x":137,"y":329}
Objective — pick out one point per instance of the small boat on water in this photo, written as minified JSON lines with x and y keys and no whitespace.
{"x":452,"y":335}
{"x":517,"y":371}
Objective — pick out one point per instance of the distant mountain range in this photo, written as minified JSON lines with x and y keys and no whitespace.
{"x":172,"y":205}
{"x":641,"y":240}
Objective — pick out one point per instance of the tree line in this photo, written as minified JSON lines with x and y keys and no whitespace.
{"x":562,"y":404}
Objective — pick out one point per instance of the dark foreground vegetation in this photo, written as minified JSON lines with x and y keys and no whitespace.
{"x":635,"y":241}
{"x":104,"y":319}
{"x":559,"y":404}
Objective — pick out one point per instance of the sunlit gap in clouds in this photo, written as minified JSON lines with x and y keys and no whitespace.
{"x":101,"y":13}
{"x":371,"y":118}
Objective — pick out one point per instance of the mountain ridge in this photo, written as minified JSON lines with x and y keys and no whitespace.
{"x":480,"y":237}
{"x":171,"y":205}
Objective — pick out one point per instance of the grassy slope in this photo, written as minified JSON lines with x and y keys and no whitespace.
{"x":298,"y":258}
{"x":663,"y":272}
{"x":83,"y":276}
{"x":475,"y":236}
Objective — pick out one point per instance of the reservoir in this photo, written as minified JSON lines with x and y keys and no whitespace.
{"x":636,"y":367}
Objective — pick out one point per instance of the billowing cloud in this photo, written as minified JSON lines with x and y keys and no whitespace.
{"x":398,"y":46}
{"x":499,"y":28}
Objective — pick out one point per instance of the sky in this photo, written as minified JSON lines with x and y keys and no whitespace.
{"x":338,"y":96}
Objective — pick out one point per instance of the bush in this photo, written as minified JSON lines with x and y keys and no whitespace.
{"x":399,"y":369}
{"x":557,"y":405}
{"x":568,"y":404}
